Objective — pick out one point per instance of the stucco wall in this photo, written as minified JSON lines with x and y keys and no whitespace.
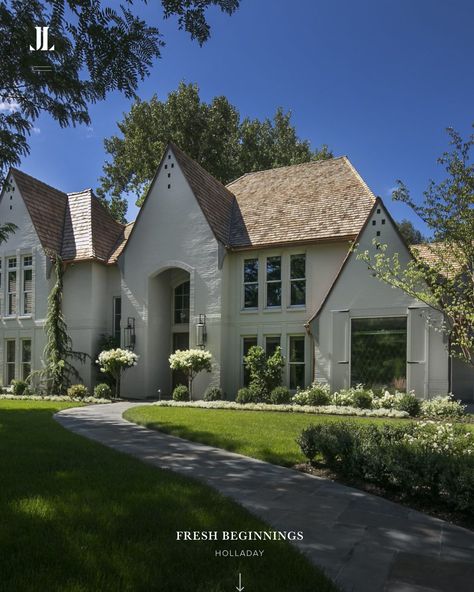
{"x":358,"y":293}
{"x":171,"y":232}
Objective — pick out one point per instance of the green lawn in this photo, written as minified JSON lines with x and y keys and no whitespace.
{"x":269,"y":436}
{"x":77,"y":516}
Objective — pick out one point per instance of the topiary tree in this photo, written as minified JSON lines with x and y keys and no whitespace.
{"x":191,"y":362}
{"x":114,"y":362}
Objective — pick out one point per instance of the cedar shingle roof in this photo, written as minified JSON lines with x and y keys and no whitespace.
{"x":46,"y":207}
{"x":215,"y":199}
{"x":75,"y":225}
{"x":121,"y":242}
{"x":300,"y":203}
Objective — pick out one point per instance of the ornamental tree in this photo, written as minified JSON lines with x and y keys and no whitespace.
{"x":265,"y":371}
{"x":114,"y":362}
{"x":447,"y":283}
{"x":191,"y":361}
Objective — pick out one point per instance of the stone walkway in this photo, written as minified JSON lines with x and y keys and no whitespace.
{"x":365,"y":543}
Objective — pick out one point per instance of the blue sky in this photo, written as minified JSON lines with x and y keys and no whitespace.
{"x":377,"y":80}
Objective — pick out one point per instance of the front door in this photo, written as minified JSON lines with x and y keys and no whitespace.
{"x":180,"y":341}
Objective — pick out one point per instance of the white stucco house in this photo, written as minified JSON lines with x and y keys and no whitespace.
{"x":266,"y":260}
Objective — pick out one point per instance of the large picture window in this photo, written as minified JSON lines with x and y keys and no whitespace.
{"x":296,"y":361}
{"x":251,"y":283}
{"x":273,"y":282}
{"x":181,"y":303}
{"x":298,"y":280}
{"x":379,"y":352}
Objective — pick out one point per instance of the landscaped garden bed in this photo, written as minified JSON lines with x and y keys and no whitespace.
{"x":79,"y":516}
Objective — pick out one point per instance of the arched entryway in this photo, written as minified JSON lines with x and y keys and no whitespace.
{"x":169,"y":314}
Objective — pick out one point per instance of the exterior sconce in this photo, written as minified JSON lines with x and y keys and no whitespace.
{"x":129,"y":338}
{"x":201,"y":333}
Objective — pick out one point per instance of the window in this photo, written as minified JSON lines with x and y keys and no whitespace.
{"x":271,"y":343}
{"x":251,"y":283}
{"x":25,"y":358}
{"x":11,"y":287}
{"x":117,"y":318}
{"x":181,"y":303}
{"x":298,"y":280}
{"x":27,"y":296}
{"x":273,"y":281}
{"x":10,"y":360}
{"x":247,"y":343}
{"x":1,"y":289}
{"x":296,"y":361}
{"x":379,"y":352}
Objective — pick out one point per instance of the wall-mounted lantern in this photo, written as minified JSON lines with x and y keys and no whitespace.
{"x":201,"y":333}
{"x":129,"y":338}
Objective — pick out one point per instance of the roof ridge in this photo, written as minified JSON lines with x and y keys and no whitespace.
{"x":357,"y":174}
{"x":288,"y":166}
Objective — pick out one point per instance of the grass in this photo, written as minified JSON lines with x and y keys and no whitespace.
{"x":79,"y":517}
{"x":266,"y":435}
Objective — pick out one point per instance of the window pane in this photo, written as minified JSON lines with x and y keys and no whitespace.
{"x":274,"y":268}
{"x":251,"y":270}
{"x":12,"y":281}
{"x":296,"y":376}
{"x":379,"y":352}
{"x":298,"y":292}
{"x":298,"y":266}
{"x":251,"y":296}
{"x":181,"y":303}
{"x":271,"y":343}
{"x":26,"y":350}
{"x":297,"y":349}
{"x":27,"y":261}
{"x":12,"y":262}
{"x":10,"y":351}
{"x":274,"y":294}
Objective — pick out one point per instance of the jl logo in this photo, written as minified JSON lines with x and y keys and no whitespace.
{"x":42,"y":40}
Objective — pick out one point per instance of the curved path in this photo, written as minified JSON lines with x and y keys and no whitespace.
{"x":365,"y":543}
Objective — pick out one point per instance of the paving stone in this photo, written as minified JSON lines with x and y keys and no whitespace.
{"x":364,"y":542}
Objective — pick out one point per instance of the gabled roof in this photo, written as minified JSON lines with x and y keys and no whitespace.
{"x":75,"y":225}
{"x":46,"y":207}
{"x":215,"y":200}
{"x":314,"y":201}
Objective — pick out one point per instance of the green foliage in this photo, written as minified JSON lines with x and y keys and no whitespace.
{"x":362,"y":399}
{"x":443,"y":408}
{"x":280,"y":395}
{"x":6,"y":229}
{"x":213,"y":393}
{"x":428,"y":461}
{"x":411,"y":234}
{"x":211,"y":133}
{"x":98,"y":50}
{"x":245,"y":395}
{"x":20,"y":388}
{"x":181,"y":393}
{"x":442,"y":274}
{"x":102,"y":391}
{"x":409,"y":403}
{"x":318,"y":394}
{"x":265,"y":372}
{"x":191,"y":362}
{"x":77,"y":391}
{"x":58,"y":353}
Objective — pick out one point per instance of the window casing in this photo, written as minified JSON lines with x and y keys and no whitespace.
{"x":117,"y":317}
{"x":271,"y":344}
{"x":27,"y":285}
{"x":273,"y":282}
{"x":12,"y":287}
{"x":10,"y":361}
{"x":247,"y":343}
{"x":296,"y":361}
{"x":181,"y":303}
{"x":298,"y":280}
{"x":251,"y":283}
{"x":25,"y":358}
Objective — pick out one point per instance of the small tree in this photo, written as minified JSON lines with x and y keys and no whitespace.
{"x":114,"y":362}
{"x":442,"y":272}
{"x":191,"y":361}
{"x":265,"y":372}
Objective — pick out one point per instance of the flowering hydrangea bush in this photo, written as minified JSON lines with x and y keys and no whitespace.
{"x":114,"y":362}
{"x":443,"y":407}
{"x":191,"y":361}
{"x":441,"y":438}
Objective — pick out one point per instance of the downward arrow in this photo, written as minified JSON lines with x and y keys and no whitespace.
{"x":240,"y":587}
